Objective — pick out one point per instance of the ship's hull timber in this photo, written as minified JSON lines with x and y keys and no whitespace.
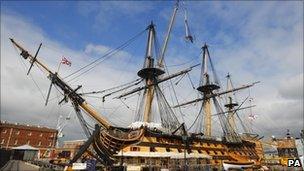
{"x":153,"y":143}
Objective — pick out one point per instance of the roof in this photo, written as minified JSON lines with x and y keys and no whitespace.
{"x":28,"y":127}
{"x":25,"y":147}
{"x":73,"y":141}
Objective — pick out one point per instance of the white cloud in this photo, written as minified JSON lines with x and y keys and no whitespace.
{"x":20,"y":99}
{"x":98,"y":51}
{"x":292,"y":88}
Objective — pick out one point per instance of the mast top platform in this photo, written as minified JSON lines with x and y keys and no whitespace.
{"x":207,"y":88}
{"x":231,"y":105}
{"x":150,"y":72}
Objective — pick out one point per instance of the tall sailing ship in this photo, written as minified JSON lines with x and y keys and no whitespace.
{"x":167,"y":144}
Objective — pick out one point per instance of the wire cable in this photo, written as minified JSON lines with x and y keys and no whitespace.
{"x":31,"y":76}
{"x":104,"y":57}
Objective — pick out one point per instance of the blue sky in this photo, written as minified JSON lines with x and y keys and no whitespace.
{"x":78,"y":23}
{"x":220,"y":24}
{"x":254,"y":41}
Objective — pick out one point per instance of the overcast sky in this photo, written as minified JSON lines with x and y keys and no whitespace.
{"x":253,"y":41}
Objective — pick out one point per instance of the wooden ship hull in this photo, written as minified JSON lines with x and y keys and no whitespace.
{"x":155,"y":149}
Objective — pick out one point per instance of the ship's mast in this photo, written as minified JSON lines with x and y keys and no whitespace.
{"x":149,"y":73}
{"x":206,"y":88}
{"x":230,"y":104}
{"x":152,"y":76}
{"x":209,"y":84}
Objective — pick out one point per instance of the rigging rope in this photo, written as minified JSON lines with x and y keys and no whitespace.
{"x":179,"y":79}
{"x":137,"y":106}
{"x":180,"y":64}
{"x":229,"y":133}
{"x":104,"y":57}
{"x":196,"y":118}
{"x":222,"y":118}
{"x":31,"y":76}
{"x":109,"y":89}
{"x":169,"y":120}
{"x":174,"y":92}
{"x":139,"y":114}
{"x":191,"y":81}
{"x":81,"y":120}
{"x":215,"y":77}
{"x":119,"y":90}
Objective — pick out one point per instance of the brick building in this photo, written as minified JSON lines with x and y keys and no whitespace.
{"x":13,"y":135}
{"x":73,"y":146}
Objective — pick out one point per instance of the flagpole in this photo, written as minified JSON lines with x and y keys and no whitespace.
{"x":59,"y":66}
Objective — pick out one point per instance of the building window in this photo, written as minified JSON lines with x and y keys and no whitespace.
{"x":135,"y":149}
{"x":4,"y":131}
{"x":29,"y":134}
{"x":16,"y":141}
{"x":189,"y":151}
{"x":40,"y":135}
{"x":142,"y":161}
{"x":2,"y":141}
{"x":17,"y":132}
{"x":39,"y":144}
{"x":152,"y":149}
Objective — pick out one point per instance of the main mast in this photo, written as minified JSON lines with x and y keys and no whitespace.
{"x":206,"y":88}
{"x":149,"y":73}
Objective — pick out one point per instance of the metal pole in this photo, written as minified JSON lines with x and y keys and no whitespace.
{"x":59,"y":66}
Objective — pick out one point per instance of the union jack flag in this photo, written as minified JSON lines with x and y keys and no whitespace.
{"x":252,"y":117}
{"x":66,"y":61}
